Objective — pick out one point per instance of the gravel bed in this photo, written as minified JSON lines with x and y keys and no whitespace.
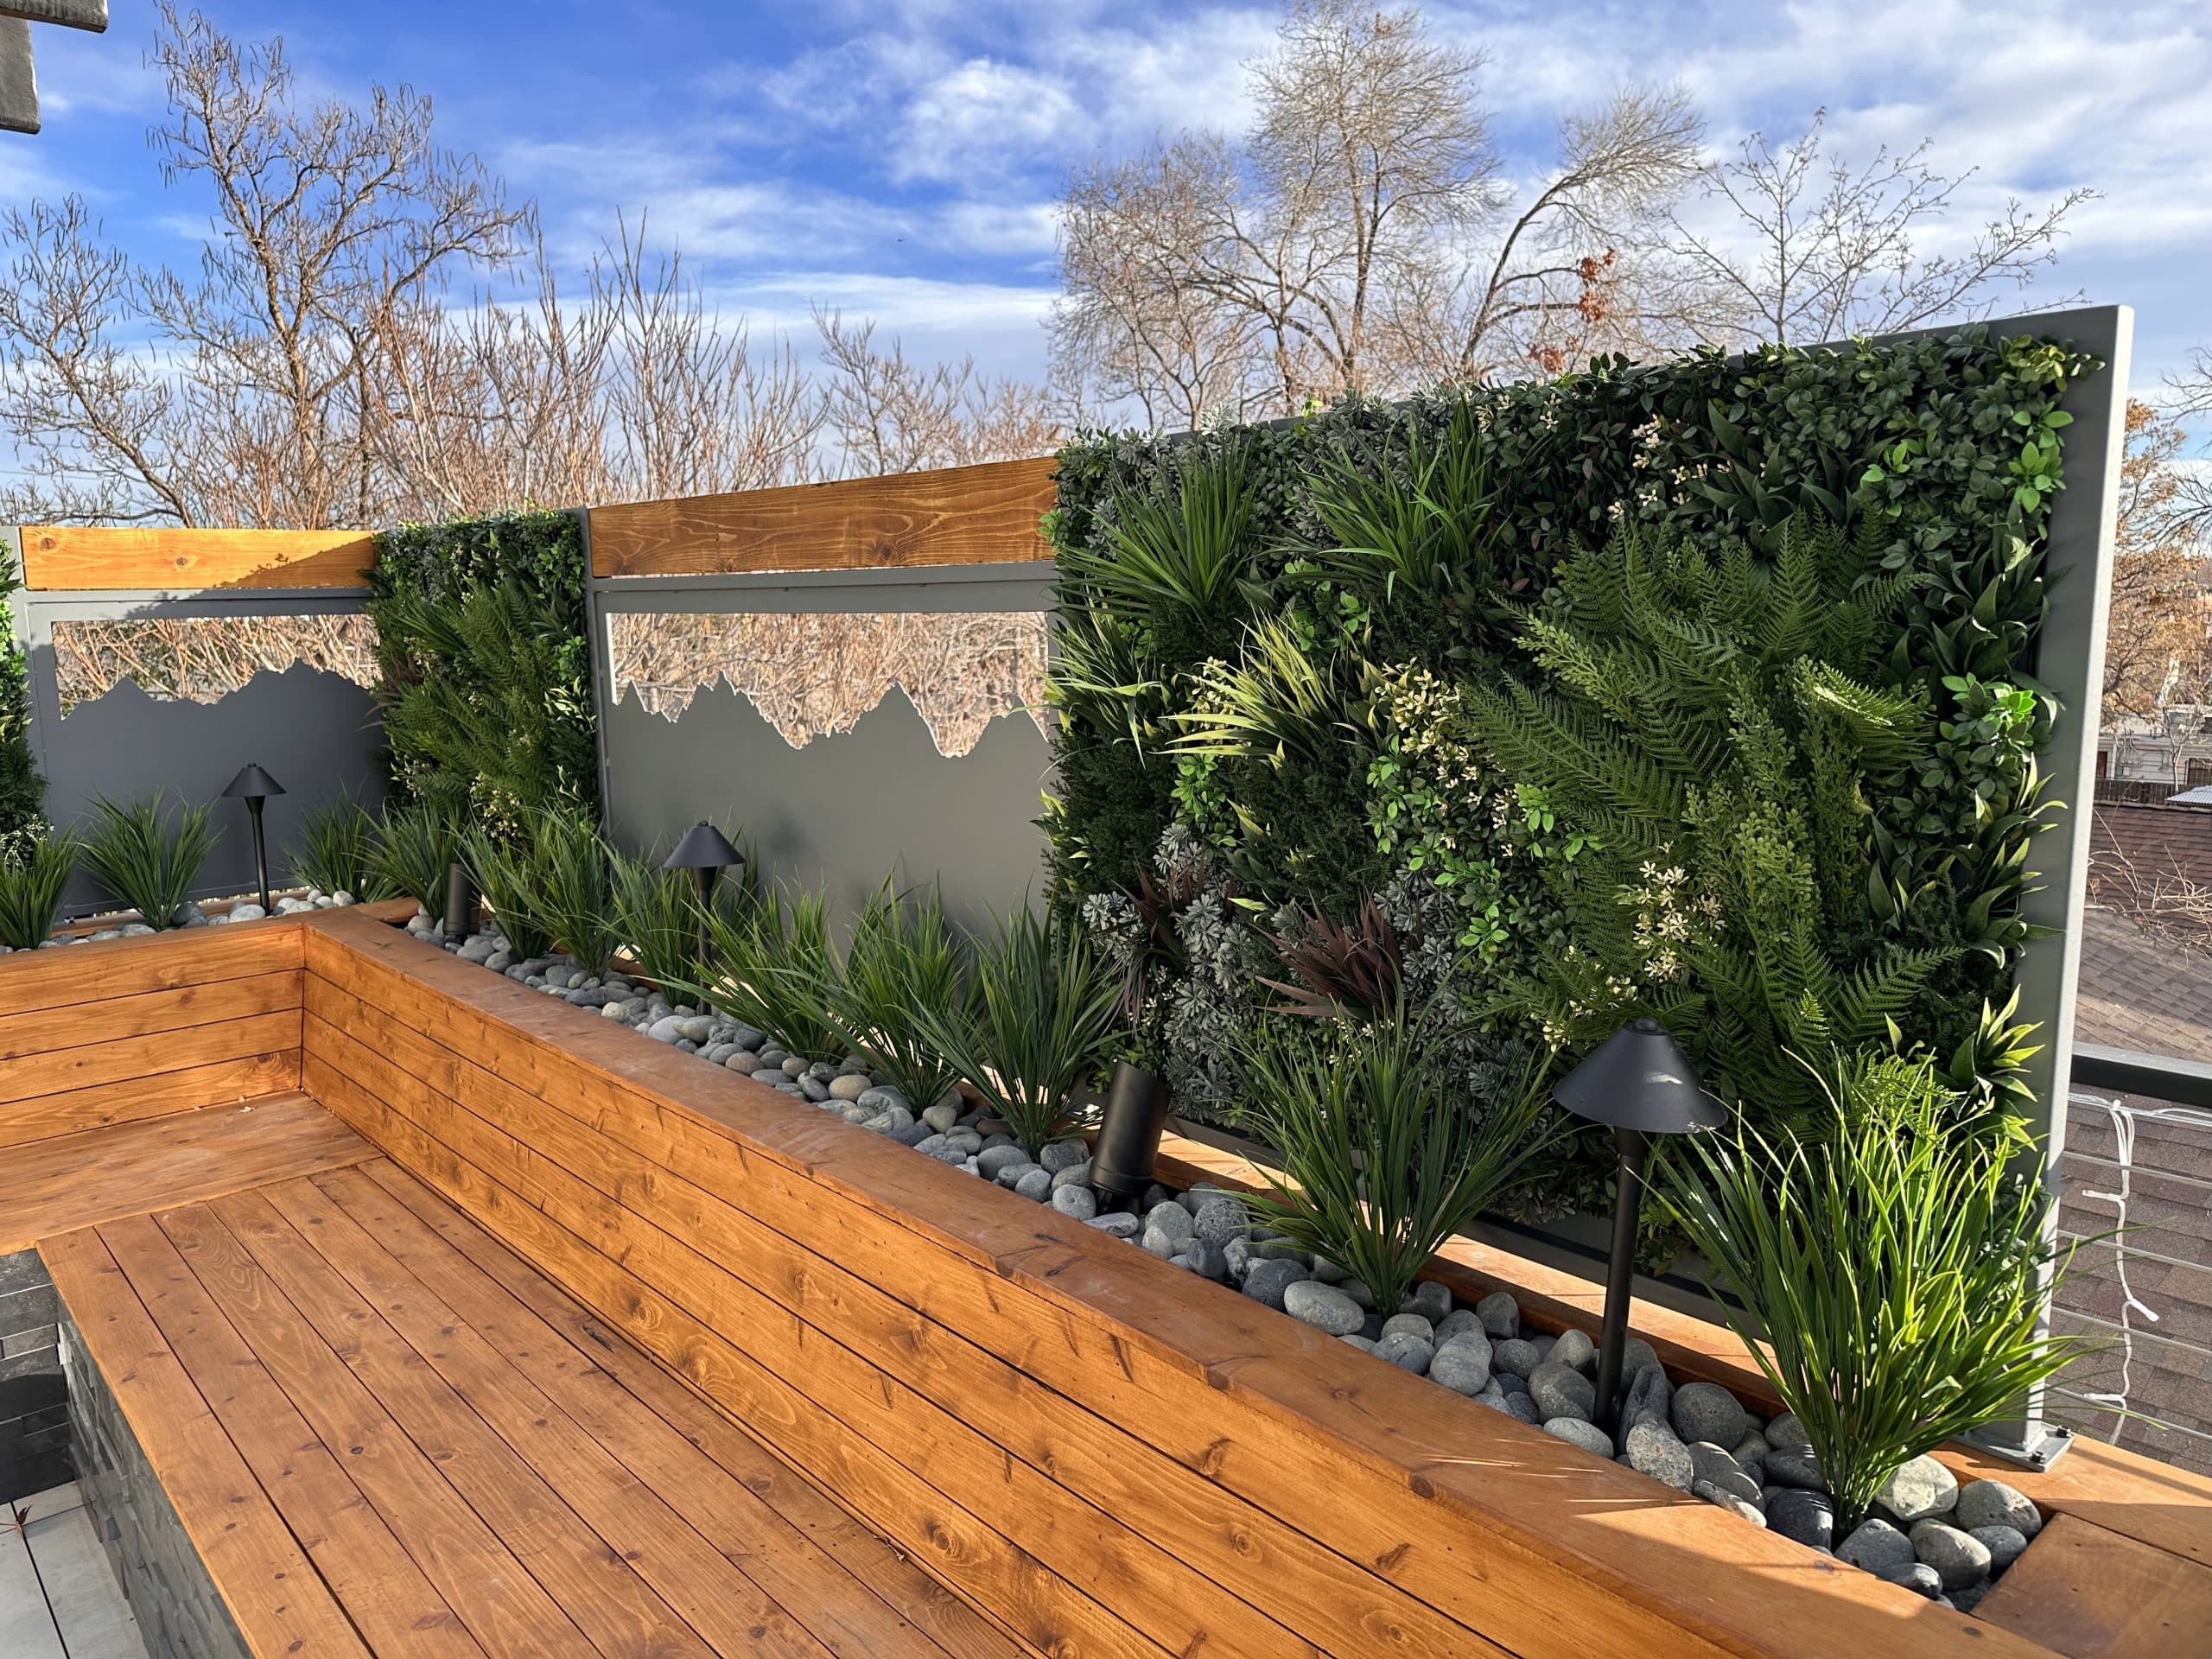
{"x":1946,"y":1541}
{"x":191,"y":915}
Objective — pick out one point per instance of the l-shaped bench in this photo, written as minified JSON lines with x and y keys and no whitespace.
{"x":484,"y":1327}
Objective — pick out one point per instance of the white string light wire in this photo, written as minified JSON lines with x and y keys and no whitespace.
{"x":2125,"y":1119}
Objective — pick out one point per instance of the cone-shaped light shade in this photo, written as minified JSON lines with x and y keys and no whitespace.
{"x":1637,"y":1079}
{"x":252,"y":783}
{"x":703,"y":848}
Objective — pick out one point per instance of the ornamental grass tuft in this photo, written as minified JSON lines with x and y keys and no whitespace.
{"x":1039,"y":1027}
{"x":338,"y":852}
{"x":32,"y":884}
{"x":146,"y":857}
{"x":767,"y":964}
{"x":415,"y":845}
{"x":1886,"y":1266}
{"x":1385,"y":1152}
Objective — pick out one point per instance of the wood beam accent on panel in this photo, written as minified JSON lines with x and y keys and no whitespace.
{"x":959,"y":515}
{"x":68,"y":558}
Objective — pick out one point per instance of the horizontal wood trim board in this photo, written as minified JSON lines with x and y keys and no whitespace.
{"x":70,"y":977}
{"x":985,"y":514}
{"x":26,"y":1039}
{"x":60,"y":558}
{"x":220,"y":1083}
{"x":126,"y":1058}
{"x":1503,"y":1530}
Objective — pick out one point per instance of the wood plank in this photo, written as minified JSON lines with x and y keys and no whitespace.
{"x":395,"y":1607}
{"x":169,"y":558}
{"x":542,"y":1326}
{"x":26,"y":1039}
{"x":222,"y":1082}
{"x":72,"y":976}
{"x":2089,"y":1593}
{"x":954,"y":1545}
{"x":1420,"y":1553}
{"x":263,"y":1577}
{"x":957,"y":515}
{"x":935,"y":1446}
{"x":76,"y":1180}
{"x":597,"y":1589}
{"x":504,"y":1608}
{"x":128,"y":1057}
{"x":1504,"y":1484}
{"x":1310,"y":1589}
{"x":725,"y":1607}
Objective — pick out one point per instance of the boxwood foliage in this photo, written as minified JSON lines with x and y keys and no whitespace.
{"x":1279,"y":753}
{"x":487,"y":666}
{"x":23,"y":791}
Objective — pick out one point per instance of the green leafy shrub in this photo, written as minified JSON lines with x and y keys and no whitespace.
{"x":1931,"y":1323}
{"x":338,"y":852}
{"x":486,"y":668}
{"x":1039,"y":1028}
{"x":33,"y":883}
{"x":770,"y":965}
{"x":23,"y":791}
{"x":147,"y":858}
{"x":1385,"y":1152}
{"x":414,"y":846}
{"x":1714,"y":724}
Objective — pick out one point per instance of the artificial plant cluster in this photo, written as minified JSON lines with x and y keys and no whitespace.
{"x":1701,"y":689}
{"x":487,"y":668}
{"x":23,"y":791}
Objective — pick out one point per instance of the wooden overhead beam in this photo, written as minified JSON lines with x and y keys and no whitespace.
{"x":18,"y":86}
{"x":958,"y":515}
{"x":74,"y":558}
{"x":69,"y":14}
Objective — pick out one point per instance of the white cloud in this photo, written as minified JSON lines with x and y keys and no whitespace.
{"x":982,"y":118}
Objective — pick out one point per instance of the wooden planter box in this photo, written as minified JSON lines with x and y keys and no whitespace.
{"x":1110,"y":1455}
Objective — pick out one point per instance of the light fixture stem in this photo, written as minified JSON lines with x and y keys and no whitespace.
{"x":260,"y":849}
{"x":1620,"y":1271}
{"x":703,"y":877}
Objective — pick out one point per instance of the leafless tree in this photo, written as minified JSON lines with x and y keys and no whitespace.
{"x":375,"y":334}
{"x":1799,"y":245}
{"x":1363,"y":238}
{"x":890,"y":415}
{"x":2155,"y":641}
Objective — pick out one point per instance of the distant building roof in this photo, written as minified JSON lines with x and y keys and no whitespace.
{"x":2201,"y":795}
{"x":2142,"y":990}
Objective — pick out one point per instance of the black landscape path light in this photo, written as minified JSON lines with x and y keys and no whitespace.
{"x":1128,"y":1132}
{"x":254,"y":787}
{"x":1638,"y":1084}
{"x":706,"y":852}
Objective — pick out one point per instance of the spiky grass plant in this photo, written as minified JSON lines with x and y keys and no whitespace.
{"x":503,"y":876}
{"x":1039,"y":1027}
{"x":767,"y":964}
{"x":338,"y":852}
{"x":1385,"y":1153}
{"x":414,"y":846}
{"x":904,"y":956}
{"x":1179,"y":561}
{"x":656,"y":912}
{"x":1890,"y":1262}
{"x":32,"y":884}
{"x":147,"y":857}
{"x":569,"y":894}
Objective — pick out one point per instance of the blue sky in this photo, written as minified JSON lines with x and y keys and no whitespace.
{"x":899,"y":158}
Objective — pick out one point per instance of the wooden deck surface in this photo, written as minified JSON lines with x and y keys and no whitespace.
{"x":388,"y":1435}
{"x":126,"y":1169}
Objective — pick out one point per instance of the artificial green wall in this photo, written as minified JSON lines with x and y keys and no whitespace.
{"x":1935,"y":459}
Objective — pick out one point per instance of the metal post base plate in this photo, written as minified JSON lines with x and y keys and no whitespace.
{"x":2034,"y":1445}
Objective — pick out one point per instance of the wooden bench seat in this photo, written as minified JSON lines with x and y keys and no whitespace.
{"x":387,"y":1435}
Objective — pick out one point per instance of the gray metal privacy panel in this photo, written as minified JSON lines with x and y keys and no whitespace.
{"x":318,"y":733}
{"x":847,"y":809}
